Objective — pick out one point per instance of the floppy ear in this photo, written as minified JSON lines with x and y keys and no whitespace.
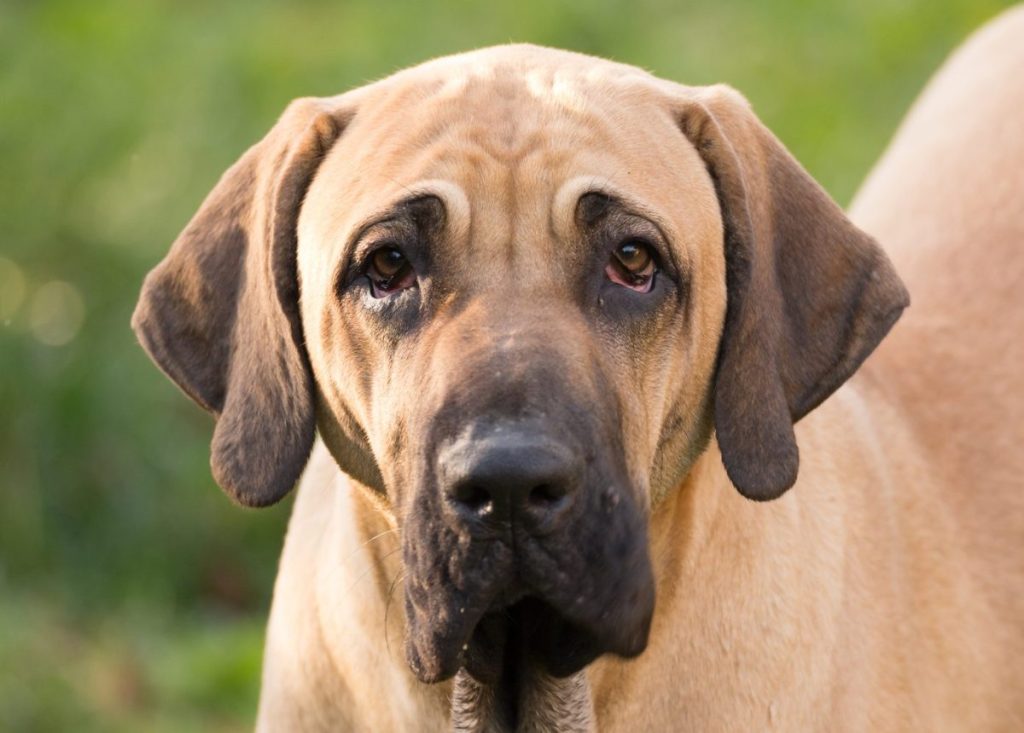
{"x":220,"y":314}
{"x":809,"y":295}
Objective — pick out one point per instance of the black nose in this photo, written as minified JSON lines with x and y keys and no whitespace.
{"x":513,"y":475}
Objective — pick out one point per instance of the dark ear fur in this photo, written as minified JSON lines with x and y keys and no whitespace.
{"x":809,"y":295}
{"x":220,"y":314}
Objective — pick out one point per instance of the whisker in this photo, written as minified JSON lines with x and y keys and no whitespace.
{"x":387,"y":608}
{"x":393,"y":530}
{"x":371,"y":569}
{"x":385,"y":533}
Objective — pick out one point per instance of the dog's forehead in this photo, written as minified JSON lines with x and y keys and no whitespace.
{"x":506,"y":105}
{"x":515,"y":132}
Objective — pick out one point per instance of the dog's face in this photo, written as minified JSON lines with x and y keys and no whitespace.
{"x":516,"y":290}
{"x":509,"y":300}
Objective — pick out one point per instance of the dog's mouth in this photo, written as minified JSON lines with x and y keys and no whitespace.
{"x":556,"y":613}
{"x":516,"y":614}
{"x":532,"y":633}
{"x":519,"y":668}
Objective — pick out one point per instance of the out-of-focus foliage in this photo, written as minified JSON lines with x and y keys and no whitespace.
{"x":132,"y":594}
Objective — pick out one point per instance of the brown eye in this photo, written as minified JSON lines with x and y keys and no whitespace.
{"x":389,"y":271}
{"x":634,"y":256}
{"x":632,"y":265}
{"x":387,"y":262}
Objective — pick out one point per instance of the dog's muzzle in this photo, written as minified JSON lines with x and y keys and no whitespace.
{"x":529,"y":550}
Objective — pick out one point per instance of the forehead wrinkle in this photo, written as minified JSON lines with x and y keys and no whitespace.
{"x":510,"y":118}
{"x":525,"y":188}
{"x":566,"y":199}
{"x":451,"y":195}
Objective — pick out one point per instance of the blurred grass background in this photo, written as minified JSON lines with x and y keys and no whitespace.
{"x":132,"y":593}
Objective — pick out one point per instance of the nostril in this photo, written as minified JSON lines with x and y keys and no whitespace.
{"x":473,"y":497}
{"x":492,"y":482}
{"x":545,"y":496}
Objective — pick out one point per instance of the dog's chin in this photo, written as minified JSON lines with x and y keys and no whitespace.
{"x":530,"y":633}
{"x":516,"y":657}
{"x":517,"y":645}
{"x":512,"y":649}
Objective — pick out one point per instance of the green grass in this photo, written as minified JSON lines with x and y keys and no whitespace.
{"x":139,"y":669}
{"x":132,"y":594}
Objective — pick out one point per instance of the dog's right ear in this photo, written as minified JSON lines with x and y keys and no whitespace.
{"x":220,"y":314}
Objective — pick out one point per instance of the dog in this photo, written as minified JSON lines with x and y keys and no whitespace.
{"x":537,"y":328}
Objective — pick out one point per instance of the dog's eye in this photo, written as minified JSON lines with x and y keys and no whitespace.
{"x":632,"y":265}
{"x":389,"y":271}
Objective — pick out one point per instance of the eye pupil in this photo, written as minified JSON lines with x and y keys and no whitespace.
{"x":389,"y":271}
{"x":388,"y":262}
{"x":632,"y":265}
{"x":634,"y":256}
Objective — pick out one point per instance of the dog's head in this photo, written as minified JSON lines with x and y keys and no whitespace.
{"x":517,"y":291}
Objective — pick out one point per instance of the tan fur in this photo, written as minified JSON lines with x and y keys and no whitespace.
{"x":884,"y":592}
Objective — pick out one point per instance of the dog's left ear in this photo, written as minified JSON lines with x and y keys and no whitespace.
{"x":220,"y":314}
{"x":809,"y":295}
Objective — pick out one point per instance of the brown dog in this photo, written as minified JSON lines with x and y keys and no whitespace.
{"x":534,"y":302}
